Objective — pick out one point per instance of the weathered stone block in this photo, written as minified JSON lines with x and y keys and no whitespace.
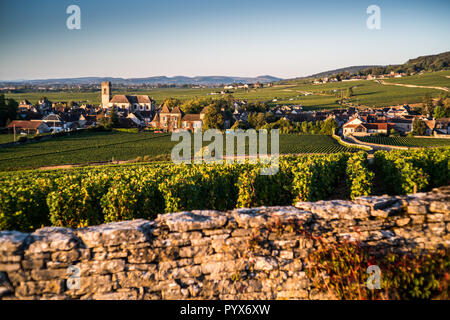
{"x":8,"y":267}
{"x":440,"y":206}
{"x":48,"y":274}
{"x":142,"y":255}
{"x":66,"y":256}
{"x":101,"y":267}
{"x":265,"y":263}
{"x":195,"y":220}
{"x":115,"y":234}
{"x":12,"y":241}
{"x":135,"y":279}
{"x":50,"y":239}
{"x":403,"y":221}
{"x":415,"y":209}
{"x":417,"y":219}
{"x":40,"y":287}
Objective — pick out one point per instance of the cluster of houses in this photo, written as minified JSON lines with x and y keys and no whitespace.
{"x":52,"y":117}
{"x":140,"y":111}
{"x":245,"y":86}
{"x":397,"y":118}
{"x":392,"y":74}
{"x":134,"y":111}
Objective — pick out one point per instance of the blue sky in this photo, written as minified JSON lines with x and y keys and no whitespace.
{"x":284,"y":38}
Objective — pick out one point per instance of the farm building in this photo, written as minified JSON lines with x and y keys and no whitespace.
{"x":28,"y":127}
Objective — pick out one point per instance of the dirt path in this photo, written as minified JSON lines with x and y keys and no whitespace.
{"x":373,"y":146}
{"x":71,"y":166}
{"x":411,"y":85}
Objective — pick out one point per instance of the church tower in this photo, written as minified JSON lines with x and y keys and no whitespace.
{"x":106,"y":93}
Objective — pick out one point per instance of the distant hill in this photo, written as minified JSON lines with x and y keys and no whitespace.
{"x":352,"y":69}
{"x":434,"y":62}
{"x":178,"y":80}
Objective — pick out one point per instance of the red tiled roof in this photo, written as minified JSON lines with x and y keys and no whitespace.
{"x":431,"y":124}
{"x":191,"y":117}
{"x":24,"y":124}
{"x":143,"y":99}
{"x":130,"y":99}
{"x":176,"y":110}
{"x":378,"y":126}
{"x":120,"y":99}
{"x":351,"y":125}
{"x":165,"y":109}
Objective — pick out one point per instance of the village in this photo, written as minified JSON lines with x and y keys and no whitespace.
{"x":140,"y":112}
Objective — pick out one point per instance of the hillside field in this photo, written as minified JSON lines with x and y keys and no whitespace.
{"x":433,"y":79}
{"x":408,"y":142}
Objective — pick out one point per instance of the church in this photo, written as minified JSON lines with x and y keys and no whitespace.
{"x":127,"y":102}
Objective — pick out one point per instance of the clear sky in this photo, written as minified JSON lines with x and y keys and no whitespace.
{"x":142,"y":38}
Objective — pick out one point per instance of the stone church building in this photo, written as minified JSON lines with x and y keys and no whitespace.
{"x":127,"y":102}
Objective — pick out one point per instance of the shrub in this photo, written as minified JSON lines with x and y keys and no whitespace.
{"x":135,"y":198}
{"x":23,"y":204}
{"x":413,"y":170}
{"x":360,"y":178}
{"x":412,"y":275}
{"x":269,"y":190}
{"x":75,"y":202}
{"x":315,"y":177}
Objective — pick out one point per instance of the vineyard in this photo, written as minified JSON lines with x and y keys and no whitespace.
{"x":407,"y":142}
{"x":91,"y":147}
{"x":75,"y":198}
{"x":90,"y":196}
{"x":414,"y":170}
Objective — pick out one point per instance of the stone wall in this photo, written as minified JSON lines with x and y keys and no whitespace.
{"x":208,"y":254}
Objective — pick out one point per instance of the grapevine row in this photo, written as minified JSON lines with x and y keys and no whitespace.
{"x":91,"y":196}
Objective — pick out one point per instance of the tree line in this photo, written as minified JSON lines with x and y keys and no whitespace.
{"x":8,"y":110}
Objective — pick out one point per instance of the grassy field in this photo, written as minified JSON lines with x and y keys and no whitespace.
{"x":94,"y":97}
{"x":104,"y":146}
{"x":433,"y":79}
{"x":324,"y":96}
{"x":365,"y":93}
{"x":6,"y":138}
{"x":408,"y":142}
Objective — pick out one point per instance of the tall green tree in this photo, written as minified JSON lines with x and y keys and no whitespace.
{"x":439,"y":112}
{"x":349,"y":93}
{"x":114,"y":118}
{"x":419,"y":127}
{"x":428,"y":104}
{"x":328,"y":126}
{"x":8,"y":110}
{"x":172,"y":103}
{"x":213,"y":117}
{"x":447,"y":107}
{"x":195,"y":105}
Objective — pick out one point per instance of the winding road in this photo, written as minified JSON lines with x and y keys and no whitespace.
{"x":411,"y":85}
